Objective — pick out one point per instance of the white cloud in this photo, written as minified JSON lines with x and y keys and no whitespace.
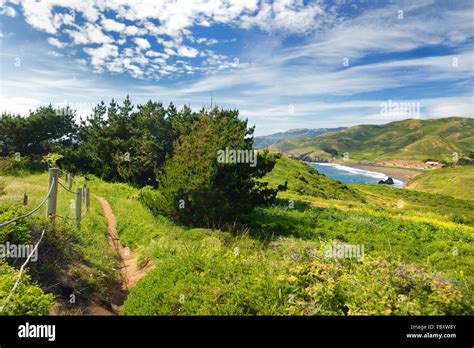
{"x":289,"y":15}
{"x":7,"y":10}
{"x":19,"y":105}
{"x":133,"y":30}
{"x":111,"y":25}
{"x":101,"y":54}
{"x":88,"y":34}
{"x":39,"y":16}
{"x":55,"y":54}
{"x":142,"y":43}
{"x":55,"y":42}
{"x":186,"y":51}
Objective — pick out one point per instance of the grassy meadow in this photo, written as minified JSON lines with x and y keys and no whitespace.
{"x":455,"y":182}
{"x":418,"y":258}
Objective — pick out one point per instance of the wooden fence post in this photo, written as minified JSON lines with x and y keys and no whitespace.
{"x":25,"y":199}
{"x":70,"y":182}
{"x":53,"y":196}
{"x":77,"y":212}
{"x":86,"y":195}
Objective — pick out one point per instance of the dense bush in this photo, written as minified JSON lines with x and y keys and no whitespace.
{"x":17,"y":232}
{"x":194,"y":188}
{"x":374,"y":287}
{"x":25,"y":166}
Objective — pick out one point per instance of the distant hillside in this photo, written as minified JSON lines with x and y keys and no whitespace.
{"x":455,"y":182}
{"x":305,"y":180}
{"x":411,"y":139}
{"x":276,"y":138}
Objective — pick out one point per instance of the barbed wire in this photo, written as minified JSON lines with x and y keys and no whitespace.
{"x":31,"y":212}
{"x":21,"y":272}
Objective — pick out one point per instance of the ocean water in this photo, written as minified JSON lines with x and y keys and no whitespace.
{"x":350,"y":175}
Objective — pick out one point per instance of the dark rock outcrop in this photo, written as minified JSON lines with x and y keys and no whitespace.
{"x":389,"y":181}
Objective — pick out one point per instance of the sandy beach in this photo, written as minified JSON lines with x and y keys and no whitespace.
{"x":402,"y":174}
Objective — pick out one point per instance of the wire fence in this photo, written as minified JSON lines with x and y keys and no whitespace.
{"x":64,"y":187}
{"x":31,"y":212}
{"x":22,"y":268}
{"x":52,"y":196}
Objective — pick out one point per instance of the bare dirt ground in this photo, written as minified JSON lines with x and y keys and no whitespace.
{"x":90,"y":303}
{"x":129,"y":269}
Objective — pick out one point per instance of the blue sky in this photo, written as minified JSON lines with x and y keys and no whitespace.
{"x":284,"y":64}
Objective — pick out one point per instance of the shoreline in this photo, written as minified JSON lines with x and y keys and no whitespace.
{"x":402,"y":174}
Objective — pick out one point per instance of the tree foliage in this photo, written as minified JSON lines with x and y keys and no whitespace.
{"x":195,"y":188}
{"x":152,"y":145}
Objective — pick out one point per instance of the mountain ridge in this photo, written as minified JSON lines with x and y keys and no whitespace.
{"x":410,"y":139}
{"x":276,"y":138}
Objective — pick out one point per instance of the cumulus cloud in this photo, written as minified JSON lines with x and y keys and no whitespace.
{"x":101,"y":54}
{"x":88,"y":34}
{"x":186,"y":51}
{"x":142,"y":43}
{"x":55,"y":42}
{"x":170,"y":22}
{"x":112,"y":25}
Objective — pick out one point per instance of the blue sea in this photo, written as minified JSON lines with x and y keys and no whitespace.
{"x":349,"y":175}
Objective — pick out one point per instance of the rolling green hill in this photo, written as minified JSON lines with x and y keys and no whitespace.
{"x":455,"y":182}
{"x":411,"y":139}
{"x":276,"y":138}
{"x":305,"y":180}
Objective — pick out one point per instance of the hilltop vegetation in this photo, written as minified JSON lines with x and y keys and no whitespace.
{"x":302,"y":179}
{"x":412,"y":139}
{"x":276,"y":138}
{"x":276,"y":263}
{"x":456,"y":182}
{"x":150,"y":145}
{"x":231,"y":238}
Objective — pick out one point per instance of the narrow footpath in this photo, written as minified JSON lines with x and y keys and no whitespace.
{"x":128,"y":262}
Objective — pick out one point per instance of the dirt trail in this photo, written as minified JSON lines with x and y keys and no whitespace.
{"x":131,"y":272}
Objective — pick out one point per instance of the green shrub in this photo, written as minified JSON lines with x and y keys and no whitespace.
{"x":17,"y":232}
{"x":28,"y":299}
{"x":374,"y":287}
{"x":288,"y":277}
{"x":197,"y":189}
{"x":25,"y":166}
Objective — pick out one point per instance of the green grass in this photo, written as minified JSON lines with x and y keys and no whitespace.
{"x":456,"y":182}
{"x":305,"y":180}
{"x":70,"y":260}
{"x":435,"y":206}
{"x":270,"y":268}
{"x":418,"y":260}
